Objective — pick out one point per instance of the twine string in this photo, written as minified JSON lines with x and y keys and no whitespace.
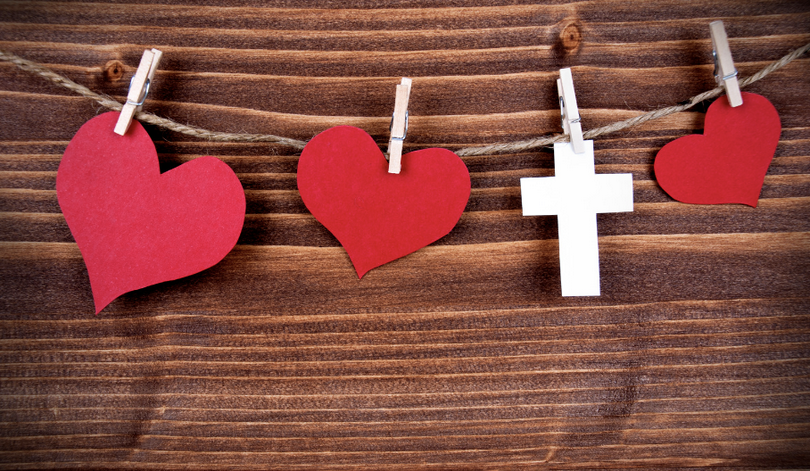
{"x":507,"y":147}
{"x":109,"y":102}
{"x":519,"y":146}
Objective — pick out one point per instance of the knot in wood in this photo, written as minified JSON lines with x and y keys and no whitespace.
{"x":570,"y":37}
{"x":113,"y":71}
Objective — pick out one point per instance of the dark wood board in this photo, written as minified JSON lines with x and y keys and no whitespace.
{"x":463,"y":355}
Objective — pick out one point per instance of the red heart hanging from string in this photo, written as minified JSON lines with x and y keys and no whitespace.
{"x":136,"y":227}
{"x":377,"y":216}
{"x":728,"y":163}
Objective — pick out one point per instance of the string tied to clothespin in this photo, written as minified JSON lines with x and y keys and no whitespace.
{"x":399,"y":126}
{"x":569,"y":111}
{"x":138,"y":89}
{"x":724,"y":71}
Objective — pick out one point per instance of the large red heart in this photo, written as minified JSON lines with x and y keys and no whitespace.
{"x":377,"y":216}
{"x":134,"y":226}
{"x":728,"y":163}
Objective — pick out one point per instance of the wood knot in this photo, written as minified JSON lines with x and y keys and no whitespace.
{"x":570,"y":37}
{"x":113,"y":71}
{"x":568,"y":41}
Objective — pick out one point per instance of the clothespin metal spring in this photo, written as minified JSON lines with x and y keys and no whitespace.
{"x":716,"y":72}
{"x":145,"y":92}
{"x":391,"y":128}
{"x":563,"y":121}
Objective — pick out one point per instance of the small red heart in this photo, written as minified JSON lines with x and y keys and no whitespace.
{"x":134,"y":226}
{"x":377,"y":216}
{"x":728,"y":162}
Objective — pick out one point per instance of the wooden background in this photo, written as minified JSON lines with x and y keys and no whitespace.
{"x":462,"y":355}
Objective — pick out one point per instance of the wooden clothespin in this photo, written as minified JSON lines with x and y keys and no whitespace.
{"x":138,"y":88}
{"x":569,"y":110}
{"x":399,"y":126}
{"x":724,"y":70}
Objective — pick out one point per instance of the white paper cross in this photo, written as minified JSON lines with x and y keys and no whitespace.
{"x":575,"y":195}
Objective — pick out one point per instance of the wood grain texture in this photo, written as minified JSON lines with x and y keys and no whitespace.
{"x":462,"y":355}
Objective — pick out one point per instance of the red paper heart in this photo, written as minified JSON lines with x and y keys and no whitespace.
{"x":728,"y":163}
{"x":377,"y":216}
{"x":134,"y":226}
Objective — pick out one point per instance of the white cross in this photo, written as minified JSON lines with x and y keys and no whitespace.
{"x":575,"y":195}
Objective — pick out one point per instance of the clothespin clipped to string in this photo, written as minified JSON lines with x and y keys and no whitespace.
{"x":138,"y":89}
{"x":399,"y":126}
{"x":724,"y":70}
{"x":569,"y":111}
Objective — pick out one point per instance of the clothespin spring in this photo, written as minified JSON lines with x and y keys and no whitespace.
{"x":717,"y":76}
{"x":391,"y":128}
{"x":145,"y":92}
{"x":562,"y":114}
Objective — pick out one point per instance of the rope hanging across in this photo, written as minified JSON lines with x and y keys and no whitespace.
{"x":507,"y":147}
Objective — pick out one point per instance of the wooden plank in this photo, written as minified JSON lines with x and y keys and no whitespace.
{"x":525,"y":273}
